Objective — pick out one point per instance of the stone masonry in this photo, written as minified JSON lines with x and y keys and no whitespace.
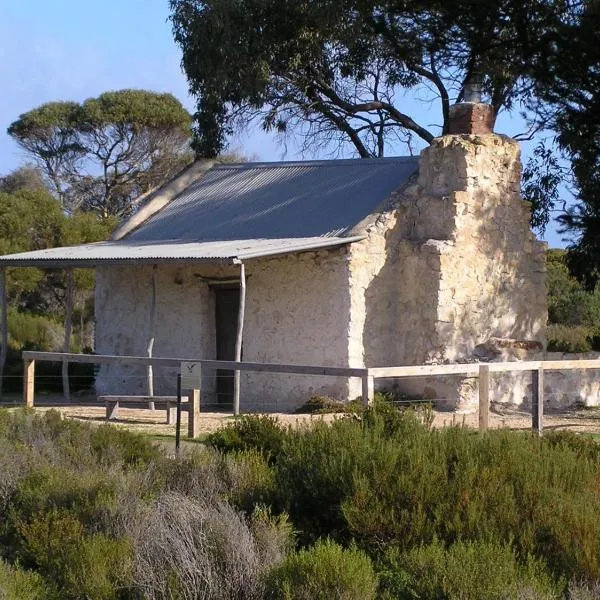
{"x":448,"y":264}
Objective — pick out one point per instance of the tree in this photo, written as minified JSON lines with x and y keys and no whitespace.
{"x":569,"y":82}
{"x":337,"y":71}
{"x":573,"y":311}
{"x":23,"y":178}
{"x":32,"y":219}
{"x":102,"y":154}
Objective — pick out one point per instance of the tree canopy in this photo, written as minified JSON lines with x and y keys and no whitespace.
{"x":101,"y":154}
{"x":570,"y":83}
{"x":339,"y":70}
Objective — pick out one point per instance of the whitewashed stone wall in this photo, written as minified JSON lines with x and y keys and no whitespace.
{"x":185,"y":323}
{"x":449,"y":263}
{"x":562,"y":389}
{"x":297,"y":311}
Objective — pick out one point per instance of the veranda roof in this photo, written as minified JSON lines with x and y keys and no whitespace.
{"x":123,"y":252}
{"x":234,"y":212}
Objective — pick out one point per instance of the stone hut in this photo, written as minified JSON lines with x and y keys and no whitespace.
{"x":349,"y":263}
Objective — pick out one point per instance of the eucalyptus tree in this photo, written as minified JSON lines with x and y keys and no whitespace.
{"x":100,"y":155}
{"x":339,"y":71}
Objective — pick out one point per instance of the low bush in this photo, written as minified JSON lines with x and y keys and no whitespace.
{"x":82,"y":565}
{"x":573,"y":339}
{"x":242,"y":478}
{"x":262,"y":433}
{"x":323,"y":572}
{"x":186,"y":548}
{"x":319,"y":405}
{"x":17,"y":584}
{"x":478,"y":570}
{"x":389,"y":480}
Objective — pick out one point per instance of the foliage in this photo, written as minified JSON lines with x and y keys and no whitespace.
{"x":262,"y":433}
{"x":324,"y":405}
{"x":322,"y":572}
{"x":568,"y":81}
{"x":80,"y":564}
{"x":340,"y":71}
{"x":17,"y":584}
{"x":479,"y":570}
{"x":23,"y":178}
{"x":102,"y":154}
{"x":381,"y":505}
{"x":573,"y":312}
{"x":27,"y":331}
{"x":571,"y":339}
{"x":31,"y":219}
{"x":389,"y":480}
{"x":101,"y":513}
{"x":543,"y":175}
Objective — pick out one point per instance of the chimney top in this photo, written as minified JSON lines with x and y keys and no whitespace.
{"x":471,"y":117}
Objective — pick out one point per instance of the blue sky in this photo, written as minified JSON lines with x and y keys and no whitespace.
{"x":75,"y":49}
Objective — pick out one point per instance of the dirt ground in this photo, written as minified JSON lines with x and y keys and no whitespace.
{"x":154,"y":422}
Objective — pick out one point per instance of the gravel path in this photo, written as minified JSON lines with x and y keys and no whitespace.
{"x":146,"y":421}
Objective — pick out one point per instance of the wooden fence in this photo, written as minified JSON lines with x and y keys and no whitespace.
{"x":367,"y":375}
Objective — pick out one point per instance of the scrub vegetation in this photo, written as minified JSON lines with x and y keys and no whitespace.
{"x":375,"y":505}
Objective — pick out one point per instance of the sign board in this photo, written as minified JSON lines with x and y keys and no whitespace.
{"x":190,"y":375}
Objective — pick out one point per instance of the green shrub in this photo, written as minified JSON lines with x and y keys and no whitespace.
{"x":28,"y":331}
{"x":81,"y":565}
{"x":568,"y":338}
{"x":323,"y":572}
{"x":324,"y":405}
{"x":465,"y":571}
{"x":389,"y":480}
{"x":71,"y":443}
{"x":250,"y":432}
{"x":87,"y":495}
{"x":17,"y":584}
{"x":315,"y":473}
{"x":243,"y":478}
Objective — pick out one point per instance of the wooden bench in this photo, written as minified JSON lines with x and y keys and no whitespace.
{"x":113,"y":402}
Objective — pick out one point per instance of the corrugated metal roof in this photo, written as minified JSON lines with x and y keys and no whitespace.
{"x":88,"y":255}
{"x":238,"y":212}
{"x":278,"y":200}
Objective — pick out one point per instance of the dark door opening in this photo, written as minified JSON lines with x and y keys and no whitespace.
{"x":227,"y":304}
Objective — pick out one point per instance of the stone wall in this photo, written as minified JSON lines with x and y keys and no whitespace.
{"x":562,"y":389}
{"x":297,"y":311}
{"x":449,"y":263}
{"x":185,"y":323}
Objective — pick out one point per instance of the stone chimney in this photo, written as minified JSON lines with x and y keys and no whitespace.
{"x":471,"y":115}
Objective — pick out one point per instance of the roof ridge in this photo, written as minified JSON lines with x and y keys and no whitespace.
{"x":335,"y":162}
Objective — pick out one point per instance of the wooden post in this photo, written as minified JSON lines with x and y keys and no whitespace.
{"x":150,"y":372}
{"x":484,"y":397}
{"x":238,"y":339}
{"x":28,"y":383}
{"x":537,"y":400}
{"x":368,"y":389}
{"x":4,"y":325}
{"x":194,"y":413}
{"x":68,"y":328}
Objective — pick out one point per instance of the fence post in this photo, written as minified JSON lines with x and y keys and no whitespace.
{"x":537,"y":400}
{"x":194,"y":413}
{"x":28,"y":382}
{"x":484,"y":397}
{"x":368,"y":388}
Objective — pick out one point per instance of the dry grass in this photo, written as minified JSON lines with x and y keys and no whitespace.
{"x":85,"y":408}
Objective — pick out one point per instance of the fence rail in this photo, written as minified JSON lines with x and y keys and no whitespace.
{"x":368,"y":376}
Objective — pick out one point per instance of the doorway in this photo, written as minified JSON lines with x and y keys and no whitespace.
{"x":227,"y":305}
